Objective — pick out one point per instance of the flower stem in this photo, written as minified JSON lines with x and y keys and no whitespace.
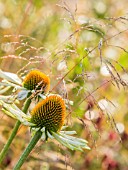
{"x":29,"y":148}
{"x":14,"y":132}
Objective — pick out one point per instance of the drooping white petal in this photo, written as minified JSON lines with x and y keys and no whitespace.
{"x":3,"y":83}
{"x":22,"y":114}
{"x":9,"y":113}
{"x":49,"y":135}
{"x":68,"y":132}
{"x":75,"y":141}
{"x":22,"y":94}
{"x":5,"y":89}
{"x":62,"y":141}
{"x":43,"y":129}
{"x":10,"y":77}
{"x":73,"y":138}
{"x":13,"y":111}
{"x":16,"y":116}
{"x":28,"y":123}
{"x":33,"y":130}
{"x":8,"y":99}
{"x":11,"y":84}
{"x":64,"y":127}
{"x":71,"y":142}
{"x":43,"y":137}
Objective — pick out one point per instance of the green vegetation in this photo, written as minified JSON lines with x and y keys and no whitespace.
{"x":82,"y":46}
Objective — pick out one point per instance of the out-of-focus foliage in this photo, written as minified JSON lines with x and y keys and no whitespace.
{"x":82,"y":45}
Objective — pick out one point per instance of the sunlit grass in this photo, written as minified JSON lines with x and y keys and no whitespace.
{"x":82,"y":47}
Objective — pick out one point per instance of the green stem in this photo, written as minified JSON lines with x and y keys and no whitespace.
{"x":14,"y":132}
{"x":29,"y":148}
{"x":26,"y":105}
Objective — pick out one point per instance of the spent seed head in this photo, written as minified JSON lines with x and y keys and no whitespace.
{"x":36,"y":80}
{"x":49,"y":113}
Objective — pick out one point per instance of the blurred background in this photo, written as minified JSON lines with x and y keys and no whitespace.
{"x":82,"y":45}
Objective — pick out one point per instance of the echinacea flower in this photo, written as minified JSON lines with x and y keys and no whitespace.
{"x":35,"y":82}
{"x":48,"y":116}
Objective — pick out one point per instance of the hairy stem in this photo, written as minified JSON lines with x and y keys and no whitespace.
{"x":29,"y":148}
{"x":14,"y":132}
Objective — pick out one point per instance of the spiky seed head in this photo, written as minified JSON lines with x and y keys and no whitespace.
{"x":49,"y":113}
{"x":36,"y":80}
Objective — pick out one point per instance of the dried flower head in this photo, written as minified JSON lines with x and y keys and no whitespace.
{"x":36,"y":80}
{"x":48,"y":117}
{"x":49,"y":113}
